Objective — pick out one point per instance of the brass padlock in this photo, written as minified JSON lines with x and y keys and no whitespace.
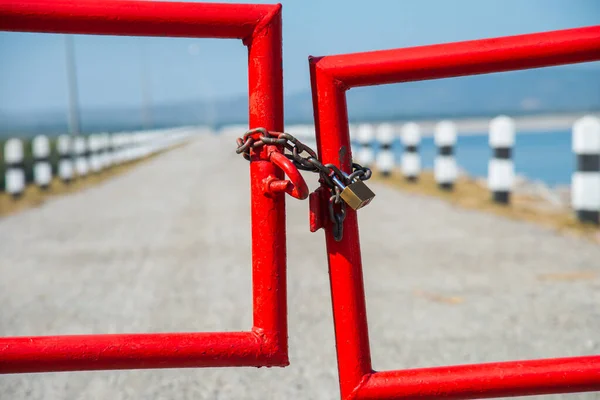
{"x":356,"y":195}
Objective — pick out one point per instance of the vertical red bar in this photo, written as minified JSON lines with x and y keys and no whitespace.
{"x":268,"y":211}
{"x":344,"y":258}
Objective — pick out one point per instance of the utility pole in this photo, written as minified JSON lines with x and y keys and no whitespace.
{"x":209,"y":113}
{"x":146,"y":91}
{"x":74,"y":120}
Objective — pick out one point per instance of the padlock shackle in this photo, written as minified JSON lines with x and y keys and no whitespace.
{"x":337,"y":182}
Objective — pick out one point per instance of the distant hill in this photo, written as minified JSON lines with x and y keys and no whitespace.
{"x":537,"y":91}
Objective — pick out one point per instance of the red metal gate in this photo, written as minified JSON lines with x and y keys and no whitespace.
{"x":259,"y":26}
{"x":331,"y":76}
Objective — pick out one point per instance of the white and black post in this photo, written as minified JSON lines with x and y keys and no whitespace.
{"x":411,"y":160}
{"x":501,"y":169}
{"x":93,"y":146}
{"x":14,"y":175}
{"x":445,"y":170}
{"x":81,"y":161}
{"x":585,"y":187}
{"x":42,"y":170}
{"x":103,"y":151}
{"x":365,"y":135}
{"x":385,"y":156}
{"x":107,"y":151}
{"x":114,"y":149}
{"x":65,"y":158}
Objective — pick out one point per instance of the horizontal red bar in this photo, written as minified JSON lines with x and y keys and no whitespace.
{"x":464,"y":58}
{"x":134,"y":351}
{"x":515,"y":378}
{"x":133,"y":18}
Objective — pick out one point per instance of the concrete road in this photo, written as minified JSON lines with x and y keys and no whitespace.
{"x":166,"y":247}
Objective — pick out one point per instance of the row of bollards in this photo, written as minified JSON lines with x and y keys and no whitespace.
{"x":79,"y":156}
{"x":585,"y":188}
{"x":445,"y":169}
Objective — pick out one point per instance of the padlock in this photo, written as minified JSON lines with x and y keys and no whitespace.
{"x":356,"y":195}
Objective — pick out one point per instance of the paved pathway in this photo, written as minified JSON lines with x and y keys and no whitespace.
{"x":165,"y":247}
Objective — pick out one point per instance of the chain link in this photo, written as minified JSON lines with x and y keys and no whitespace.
{"x":337,"y":218}
{"x":308,"y":162}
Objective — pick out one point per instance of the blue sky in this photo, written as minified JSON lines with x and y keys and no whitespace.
{"x":33,"y":77}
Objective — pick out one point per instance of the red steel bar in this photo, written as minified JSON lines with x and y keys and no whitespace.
{"x":129,"y":351}
{"x":516,"y":378}
{"x":259,"y":26}
{"x":465,"y":58}
{"x":133,"y":18}
{"x":331,"y":76}
{"x":265,"y":77}
{"x":344,"y":258}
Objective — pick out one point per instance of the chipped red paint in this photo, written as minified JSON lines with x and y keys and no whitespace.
{"x":259,"y":26}
{"x":316,"y":211}
{"x":331,"y":76}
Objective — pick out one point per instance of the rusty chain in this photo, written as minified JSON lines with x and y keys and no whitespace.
{"x":310,"y":163}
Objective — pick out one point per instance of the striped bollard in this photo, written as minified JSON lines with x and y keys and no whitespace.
{"x":145,"y":150}
{"x":365,"y":135}
{"x":134,"y":145}
{"x":14,"y":175}
{"x":501,"y":170}
{"x":308,"y":136}
{"x":123,"y":147}
{"x":65,"y":158}
{"x":139,"y":145}
{"x":585,"y":187}
{"x":93,"y":146}
{"x":42,"y":171}
{"x":385,"y":157}
{"x":109,"y":152}
{"x":411,"y":161}
{"x":114,"y":149}
{"x":119,"y":152}
{"x":103,"y":153}
{"x":127,"y":147}
{"x":81,"y":161}
{"x":445,"y":170}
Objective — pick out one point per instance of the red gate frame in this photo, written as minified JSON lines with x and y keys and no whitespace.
{"x":266,"y":344}
{"x":331,"y":76}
